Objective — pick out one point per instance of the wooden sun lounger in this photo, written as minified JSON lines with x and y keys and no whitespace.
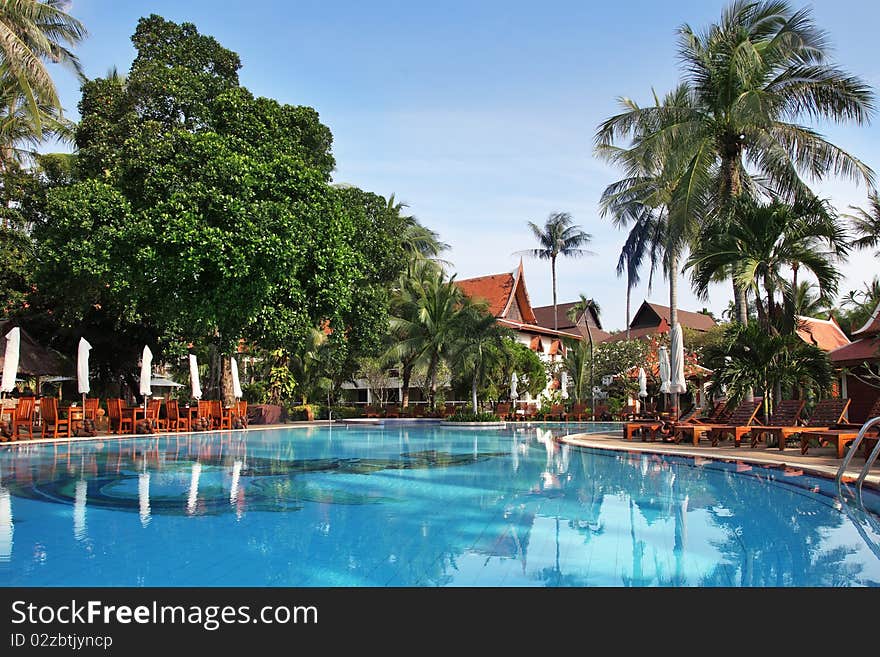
{"x":787,"y":413}
{"x":828,"y":413}
{"x":840,"y":437}
{"x":742,"y":416}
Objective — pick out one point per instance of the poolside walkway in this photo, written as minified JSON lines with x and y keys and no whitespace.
{"x":820,"y":460}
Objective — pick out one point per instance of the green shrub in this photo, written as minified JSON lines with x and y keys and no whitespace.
{"x":467,"y":416}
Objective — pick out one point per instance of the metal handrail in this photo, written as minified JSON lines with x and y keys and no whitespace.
{"x":855,"y":448}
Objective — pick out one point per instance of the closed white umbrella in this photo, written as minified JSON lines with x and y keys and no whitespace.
{"x":82,"y":369}
{"x":514,"y":381}
{"x":663,"y":358}
{"x":563,"y":384}
{"x":676,"y":361}
{"x":643,"y":383}
{"x":236,"y":386}
{"x":194,"y":377}
{"x":10,"y":362}
{"x":146,"y":375}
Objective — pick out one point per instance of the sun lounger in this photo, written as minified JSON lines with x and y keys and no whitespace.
{"x":828,"y":413}
{"x":742,"y":416}
{"x":840,"y":437}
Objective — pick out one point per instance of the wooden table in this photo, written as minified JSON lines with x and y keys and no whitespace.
{"x":74,"y":414}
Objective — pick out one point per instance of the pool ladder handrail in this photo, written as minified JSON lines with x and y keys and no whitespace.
{"x":869,"y":461}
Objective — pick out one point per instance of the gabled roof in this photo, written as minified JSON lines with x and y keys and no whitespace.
{"x":544,"y":316}
{"x":697,"y":321}
{"x":872,"y":326}
{"x":501,"y":292}
{"x":855,"y":353}
{"x":824,"y":333}
{"x":33,"y":358}
{"x":640,"y":333}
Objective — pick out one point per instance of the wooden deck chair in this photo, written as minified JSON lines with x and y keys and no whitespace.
{"x":827,"y":413}
{"x":839,"y":437}
{"x":502,"y":410}
{"x":118,"y":417}
{"x":786,"y":414}
{"x":742,"y":416}
{"x":50,"y":418}
{"x":23,"y":417}
{"x":176,"y":421}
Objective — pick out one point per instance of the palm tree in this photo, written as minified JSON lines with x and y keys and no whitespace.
{"x":644,"y":241}
{"x":21,"y":131}
{"x":418,"y":241}
{"x":480,"y":339}
{"x":762,"y":240}
{"x":809,"y":304}
{"x":577,"y":361}
{"x":33,"y":32}
{"x":867,"y":224}
{"x":578,"y":310}
{"x":750,"y":77}
{"x":425,"y":319}
{"x":558,"y":237}
{"x":751,"y":357}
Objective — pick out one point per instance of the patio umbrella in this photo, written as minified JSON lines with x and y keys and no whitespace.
{"x":236,"y":386}
{"x":514,"y":381}
{"x":663,"y":358}
{"x":677,"y":382}
{"x":676,"y":362}
{"x":194,"y":377}
{"x":82,"y":368}
{"x":10,"y":360}
{"x":643,"y":383}
{"x":563,"y":384}
{"x":162,"y":382}
{"x":146,"y":375}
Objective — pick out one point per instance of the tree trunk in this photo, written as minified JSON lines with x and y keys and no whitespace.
{"x":673,"y":313}
{"x":406,"y":375}
{"x":474,"y":390}
{"x":628,"y":296}
{"x":593,"y":405}
{"x":553,"y":275}
{"x":742,"y":303}
{"x":226,"y":382}
{"x":432,"y":383}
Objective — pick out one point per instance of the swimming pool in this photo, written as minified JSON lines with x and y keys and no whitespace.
{"x":409,"y":505}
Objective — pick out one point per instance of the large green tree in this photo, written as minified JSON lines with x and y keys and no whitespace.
{"x":207,"y":213}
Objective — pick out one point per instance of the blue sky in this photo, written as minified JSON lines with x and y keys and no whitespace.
{"x":480,"y":115}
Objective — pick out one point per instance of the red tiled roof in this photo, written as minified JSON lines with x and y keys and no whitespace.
{"x":696,"y":321}
{"x":872,"y":326}
{"x":824,"y":333}
{"x":543,"y":330}
{"x":857,"y":352}
{"x":494,"y":289}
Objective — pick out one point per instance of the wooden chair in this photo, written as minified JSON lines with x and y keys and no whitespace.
{"x":118,"y":416}
{"x":742,"y":416}
{"x":91,"y":407}
{"x":371,"y":411}
{"x":154,"y":410}
{"x":176,"y":422}
{"x":241,"y":411}
{"x":204,"y":413}
{"x":827,"y":413}
{"x":556,"y":411}
{"x":502,"y":410}
{"x":577,"y":412}
{"x":219,"y":418}
{"x":841,"y":436}
{"x":49,"y":417}
{"x":23,"y":417}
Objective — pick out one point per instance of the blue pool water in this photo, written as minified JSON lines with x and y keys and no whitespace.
{"x":416,"y":506}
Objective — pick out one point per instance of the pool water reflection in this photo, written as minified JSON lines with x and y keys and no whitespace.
{"x":416,"y":506}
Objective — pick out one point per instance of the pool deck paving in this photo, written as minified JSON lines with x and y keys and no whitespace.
{"x":822,"y":460}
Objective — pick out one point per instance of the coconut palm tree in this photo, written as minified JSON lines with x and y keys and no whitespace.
{"x":807,"y":303}
{"x":577,"y":361}
{"x":644,"y":242}
{"x":480,"y":344}
{"x":764,"y":239}
{"x":867,"y":224}
{"x":33,"y":32}
{"x":21,"y":132}
{"x":425,"y":317}
{"x":558,"y":237}
{"x":418,"y":241}
{"x":750,"y":78}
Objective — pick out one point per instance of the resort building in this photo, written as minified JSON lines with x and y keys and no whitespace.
{"x":824,"y":333}
{"x":544,"y":317}
{"x":860,"y":368}
{"x":653,"y":319}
